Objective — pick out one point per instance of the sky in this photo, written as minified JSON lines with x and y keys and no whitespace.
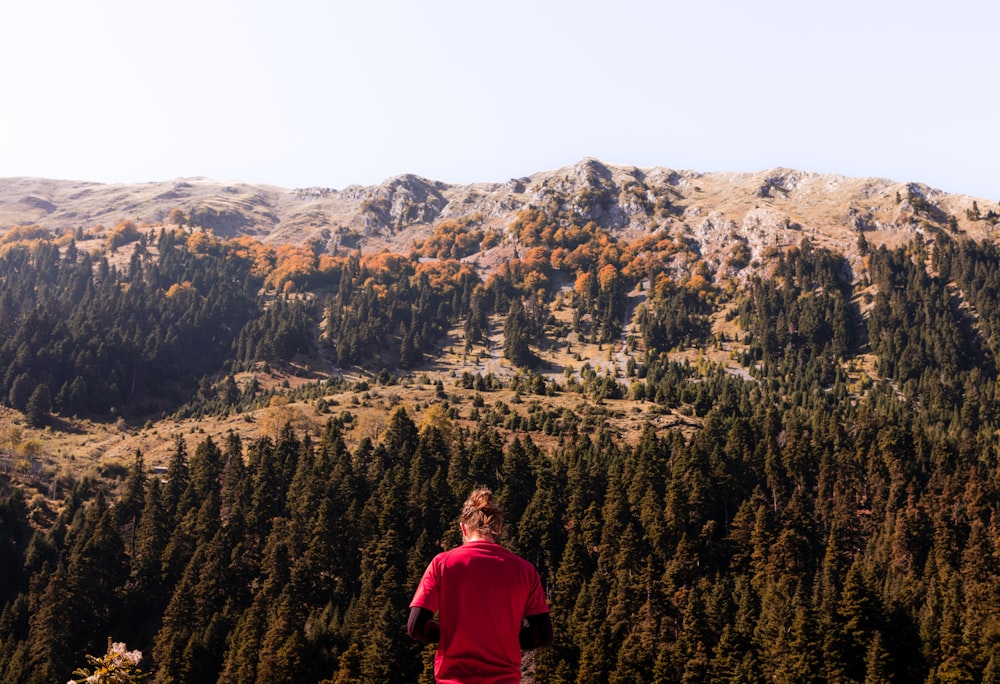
{"x":328,"y":93}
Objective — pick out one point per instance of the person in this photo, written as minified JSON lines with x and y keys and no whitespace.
{"x":483,"y":595}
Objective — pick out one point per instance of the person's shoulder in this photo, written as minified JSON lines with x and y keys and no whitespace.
{"x":446,"y":554}
{"x":518,"y":559}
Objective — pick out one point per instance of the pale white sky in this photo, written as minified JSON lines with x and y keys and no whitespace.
{"x":312,"y":93}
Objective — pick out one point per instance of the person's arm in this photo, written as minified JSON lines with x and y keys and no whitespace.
{"x":422,"y":626}
{"x":537,"y":633}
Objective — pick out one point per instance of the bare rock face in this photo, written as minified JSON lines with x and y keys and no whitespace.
{"x":713,"y":211}
{"x":402,"y":201}
{"x":763,"y":228}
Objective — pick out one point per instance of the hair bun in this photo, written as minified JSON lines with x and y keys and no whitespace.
{"x":481,"y":513}
{"x":481,"y":499}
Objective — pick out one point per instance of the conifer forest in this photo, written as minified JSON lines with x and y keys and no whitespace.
{"x":829,"y":514}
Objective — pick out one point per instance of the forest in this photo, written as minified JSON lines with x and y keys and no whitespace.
{"x":829,"y":516}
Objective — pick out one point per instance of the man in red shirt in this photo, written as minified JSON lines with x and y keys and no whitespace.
{"x":483,"y":594}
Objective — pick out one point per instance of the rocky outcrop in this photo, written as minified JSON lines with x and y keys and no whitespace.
{"x":400,"y":202}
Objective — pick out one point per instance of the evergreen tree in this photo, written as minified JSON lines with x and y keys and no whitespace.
{"x":38,"y":406}
{"x":516,"y":336}
{"x":129,"y":506}
{"x":21,"y":391}
{"x":177,"y":482}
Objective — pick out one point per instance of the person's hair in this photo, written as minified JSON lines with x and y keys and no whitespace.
{"x":480,"y":513}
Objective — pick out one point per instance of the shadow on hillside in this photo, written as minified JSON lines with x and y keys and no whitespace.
{"x":438,"y":361}
{"x":65,"y":426}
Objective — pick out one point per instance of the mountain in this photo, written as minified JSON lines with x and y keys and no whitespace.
{"x":771,"y":208}
{"x":746,"y":426}
{"x":544,"y":240}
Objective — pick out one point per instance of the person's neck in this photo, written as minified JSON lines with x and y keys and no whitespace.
{"x":474,"y":537}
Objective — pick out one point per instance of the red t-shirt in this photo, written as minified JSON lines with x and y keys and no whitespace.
{"x":482,"y":593}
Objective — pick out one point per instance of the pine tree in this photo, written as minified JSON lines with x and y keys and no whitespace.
{"x":177,"y":482}
{"x":20,"y":391}
{"x":204,"y":473}
{"x":594,"y":639}
{"x":127,"y":510}
{"x":282,"y":646}
{"x":401,"y":437}
{"x":877,"y":667}
{"x":240,"y":662}
{"x":516,"y":337}
{"x":39,"y":406}
{"x":53,"y":644}
{"x":636,"y":658}
{"x":15,"y":537}
{"x":517,"y":483}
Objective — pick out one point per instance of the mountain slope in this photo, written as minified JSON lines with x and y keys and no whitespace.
{"x":769,"y":208}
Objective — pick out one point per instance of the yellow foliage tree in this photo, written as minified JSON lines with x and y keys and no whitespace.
{"x":281,"y":412}
{"x":203,"y":242}
{"x":437,"y":417}
{"x":180,"y":290}
{"x":124,"y":233}
{"x":23,"y":233}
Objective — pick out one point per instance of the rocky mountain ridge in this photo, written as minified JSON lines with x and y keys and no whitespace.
{"x":765,"y":209}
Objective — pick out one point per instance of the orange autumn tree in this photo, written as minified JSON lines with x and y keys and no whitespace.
{"x":533,"y":227}
{"x":584,"y":285}
{"x":386,"y":262}
{"x":294,"y":265}
{"x":260,"y":255}
{"x":536,"y":270}
{"x":608,"y":278}
{"x":443,"y":276}
{"x":452,"y":240}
